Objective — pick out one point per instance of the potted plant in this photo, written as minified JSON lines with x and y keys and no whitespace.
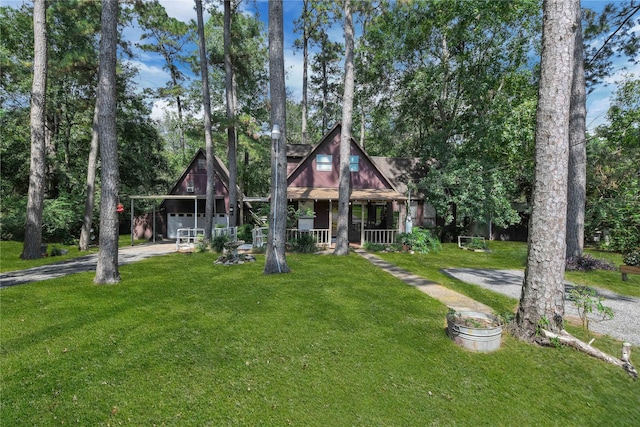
{"x":474,"y":330}
{"x":631,"y":265}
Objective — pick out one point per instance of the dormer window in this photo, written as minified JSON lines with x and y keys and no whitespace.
{"x":324,"y":162}
{"x":354,"y":163}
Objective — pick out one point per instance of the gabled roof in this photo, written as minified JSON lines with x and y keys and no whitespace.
{"x":307,"y":153}
{"x":219,"y":167}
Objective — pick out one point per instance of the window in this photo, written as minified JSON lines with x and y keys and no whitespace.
{"x":354,"y":163}
{"x":324,"y":162}
{"x":202,"y":164}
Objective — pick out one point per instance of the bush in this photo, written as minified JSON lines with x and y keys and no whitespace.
{"x":374,"y":247}
{"x":632,"y":258}
{"x":218,"y":242}
{"x":420,"y":240}
{"x":245,"y":233}
{"x":304,"y":244}
{"x":587,"y":263}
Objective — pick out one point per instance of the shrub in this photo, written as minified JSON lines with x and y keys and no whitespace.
{"x":632,"y":258}
{"x":218,"y":242}
{"x":421,"y":240}
{"x":587,"y":263}
{"x":304,"y":244}
{"x":374,"y":247}
{"x":244,"y":233}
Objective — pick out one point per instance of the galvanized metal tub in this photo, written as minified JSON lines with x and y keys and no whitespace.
{"x":481,"y":332}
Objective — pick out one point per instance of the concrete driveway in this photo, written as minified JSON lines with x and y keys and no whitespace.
{"x":624,"y":326}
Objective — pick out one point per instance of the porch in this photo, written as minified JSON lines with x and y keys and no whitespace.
{"x":323,"y":237}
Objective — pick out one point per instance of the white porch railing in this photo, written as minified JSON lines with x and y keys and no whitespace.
{"x":232,"y":232}
{"x":320,"y":235}
{"x":259,"y":236}
{"x":385,"y":237}
{"x":323,"y":236}
{"x":187,"y":237}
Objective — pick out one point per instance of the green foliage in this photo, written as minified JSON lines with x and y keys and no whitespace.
{"x":305,"y":243}
{"x":420,"y":240}
{"x":374,"y":247}
{"x":632,"y":258}
{"x":245,"y":233}
{"x":613,"y":183}
{"x":218,"y":242}
{"x":587,"y":301}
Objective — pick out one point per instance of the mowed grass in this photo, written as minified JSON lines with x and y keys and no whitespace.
{"x":336,"y":342}
{"x":10,"y":254}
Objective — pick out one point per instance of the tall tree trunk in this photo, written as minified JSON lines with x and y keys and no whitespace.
{"x":275,"y":261}
{"x":107,"y":267}
{"x":577,"y":182}
{"x":344,"y":190}
{"x":230,"y":83}
{"x":542,"y":299}
{"x":206,"y":101}
{"x":37,"y":166}
{"x":87,"y":218}
{"x":305,"y":67}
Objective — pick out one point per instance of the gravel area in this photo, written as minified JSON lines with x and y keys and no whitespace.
{"x":624,"y":326}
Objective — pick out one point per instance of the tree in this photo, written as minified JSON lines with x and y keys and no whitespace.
{"x":577,"y":180}
{"x":275,"y":261}
{"x":314,"y":16}
{"x":87,"y":217}
{"x":171,"y":36}
{"x":344,"y":190}
{"x":107,"y":267}
{"x":206,"y":100}
{"x":231,"y":95}
{"x":35,"y":202}
{"x":542,"y":300}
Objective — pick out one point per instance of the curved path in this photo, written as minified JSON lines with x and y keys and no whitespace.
{"x":83,"y":264}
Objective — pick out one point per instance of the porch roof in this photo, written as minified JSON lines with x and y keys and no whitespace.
{"x":357,"y":194}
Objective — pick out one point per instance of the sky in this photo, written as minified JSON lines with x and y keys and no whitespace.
{"x":152,"y":74}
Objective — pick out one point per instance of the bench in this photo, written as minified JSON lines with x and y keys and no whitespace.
{"x":628,"y":269}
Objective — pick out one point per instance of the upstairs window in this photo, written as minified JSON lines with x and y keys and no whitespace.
{"x":324,"y":162}
{"x":354,"y":163}
{"x":202,"y":164}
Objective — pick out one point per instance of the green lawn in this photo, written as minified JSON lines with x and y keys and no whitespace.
{"x":10,"y":254}
{"x":181,"y":341}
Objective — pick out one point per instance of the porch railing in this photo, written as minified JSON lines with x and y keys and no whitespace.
{"x":320,"y":235}
{"x":231,"y":232}
{"x":323,"y":236}
{"x":385,"y":237}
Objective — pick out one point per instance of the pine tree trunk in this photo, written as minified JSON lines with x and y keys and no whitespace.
{"x":344,"y":190}
{"x":206,"y":101}
{"x":577,"y":182}
{"x":37,"y":168}
{"x":542,"y":299}
{"x":87,"y":219}
{"x":107,"y":268}
{"x":232,"y":138}
{"x":275,"y":261}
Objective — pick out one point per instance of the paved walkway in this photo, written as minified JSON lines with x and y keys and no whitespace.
{"x":450,"y":298}
{"x":82,"y":264}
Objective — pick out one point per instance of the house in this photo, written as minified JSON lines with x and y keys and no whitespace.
{"x":379,"y":191}
{"x":184,"y":206}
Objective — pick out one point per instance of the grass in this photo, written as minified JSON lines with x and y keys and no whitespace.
{"x":10,"y":254}
{"x":184,"y":342}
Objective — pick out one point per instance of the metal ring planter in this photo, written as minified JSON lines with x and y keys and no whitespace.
{"x":475,"y":331}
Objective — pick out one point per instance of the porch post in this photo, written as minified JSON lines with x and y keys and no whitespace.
{"x":361,"y":223}
{"x":330,"y":221}
{"x":196,"y":212}
{"x":132,"y":225}
{"x":153,"y":229}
